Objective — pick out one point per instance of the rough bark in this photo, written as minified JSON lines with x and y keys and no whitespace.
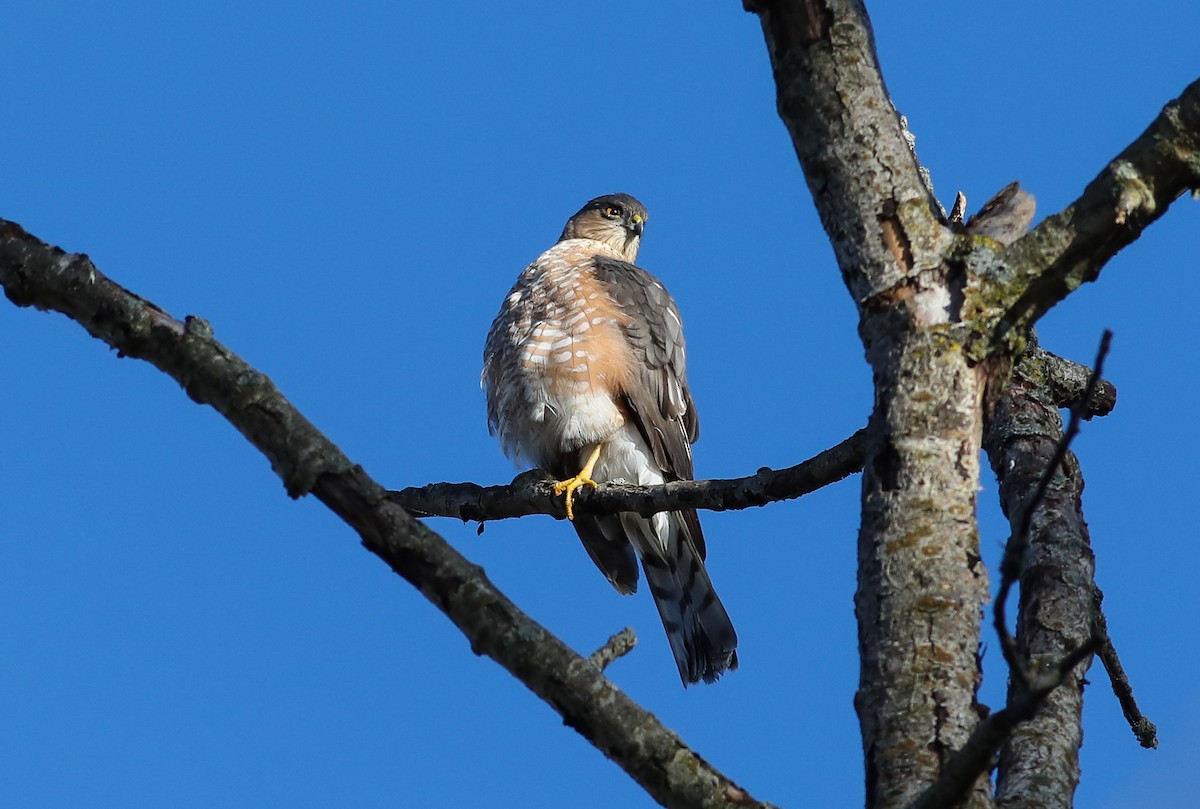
{"x":36,"y":274}
{"x":1039,"y":765}
{"x":939,"y":306}
{"x":1071,"y":247}
{"x":921,"y":586}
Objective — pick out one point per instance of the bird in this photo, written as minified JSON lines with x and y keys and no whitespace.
{"x":584,"y":374}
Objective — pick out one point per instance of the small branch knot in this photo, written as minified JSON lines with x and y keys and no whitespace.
{"x":1133,"y":195}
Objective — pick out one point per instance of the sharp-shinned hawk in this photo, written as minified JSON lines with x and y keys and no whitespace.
{"x":584,"y":371}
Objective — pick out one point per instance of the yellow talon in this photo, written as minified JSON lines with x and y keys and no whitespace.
{"x":584,"y":478}
{"x":568,"y":488}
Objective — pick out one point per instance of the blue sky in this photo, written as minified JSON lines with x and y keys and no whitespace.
{"x":346,"y":193}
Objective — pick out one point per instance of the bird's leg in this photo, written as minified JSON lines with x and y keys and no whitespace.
{"x":584,"y":478}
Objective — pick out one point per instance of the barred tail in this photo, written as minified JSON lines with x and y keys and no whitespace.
{"x":701,"y":635}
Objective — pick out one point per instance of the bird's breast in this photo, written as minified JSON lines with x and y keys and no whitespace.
{"x":565,"y":340}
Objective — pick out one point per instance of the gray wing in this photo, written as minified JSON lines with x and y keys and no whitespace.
{"x":659,"y":401}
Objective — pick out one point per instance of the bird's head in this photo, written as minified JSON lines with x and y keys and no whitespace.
{"x":615,"y":219}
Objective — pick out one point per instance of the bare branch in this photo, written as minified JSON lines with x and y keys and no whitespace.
{"x":531,"y":493}
{"x":1012,"y":564}
{"x":976,"y":757}
{"x":618,"y":645}
{"x":1066,"y":382}
{"x":1143,"y":728}
{"x":36,"y":274}
{"x":1027,"y":446}
{"x":1051,"y":556}
{"x":1072,"y":246}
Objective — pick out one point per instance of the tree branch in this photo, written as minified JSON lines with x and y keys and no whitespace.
{"x":36,"y":274}
{"x":532,"y":492}
{"x":1143,"y":728}
{"x":1072,"y":246}
{"x":857,"y":156}
{"x":617,"y":646}
{"x":1013,"y":566}
{"x":978,"y":754}
{"x":1051,"y":556}
{"x":919,"y":566}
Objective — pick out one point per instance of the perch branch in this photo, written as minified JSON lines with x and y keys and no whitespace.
{"x":36,"y":274}
{"x":532,"y":493}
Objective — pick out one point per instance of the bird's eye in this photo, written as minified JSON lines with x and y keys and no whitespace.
{"x":613,"y":211}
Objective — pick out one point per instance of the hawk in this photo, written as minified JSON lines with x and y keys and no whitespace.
{"x":584,"y":373}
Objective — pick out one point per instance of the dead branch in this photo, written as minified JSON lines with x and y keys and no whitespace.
{"x":617,"y":646}
{"x":1027,"y":449}
{"x":531,"y":492}
{"x":1072,"y":246}
{"x":1143,"y":729}
{"x":39,"y":275}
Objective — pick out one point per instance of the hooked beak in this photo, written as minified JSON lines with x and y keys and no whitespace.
{"x":636,"y":224}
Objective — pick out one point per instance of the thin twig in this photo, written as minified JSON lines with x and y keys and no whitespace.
{"x":1143,"y":728}
{"x":618,"y":645}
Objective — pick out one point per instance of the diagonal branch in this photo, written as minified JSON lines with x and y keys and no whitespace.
{"x":36,"y":274}
{"x":1072,"y":246}
{"x":977,"y":755}
{"x":1143,"y":729}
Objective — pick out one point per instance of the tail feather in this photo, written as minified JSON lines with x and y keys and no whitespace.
{"x":699,"y":631}
{"x":608,"y":544}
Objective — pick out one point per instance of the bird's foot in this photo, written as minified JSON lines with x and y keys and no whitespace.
{"x":569,"y":486}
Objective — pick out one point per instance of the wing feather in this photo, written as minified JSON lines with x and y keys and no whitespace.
{"x":658,"y":399}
